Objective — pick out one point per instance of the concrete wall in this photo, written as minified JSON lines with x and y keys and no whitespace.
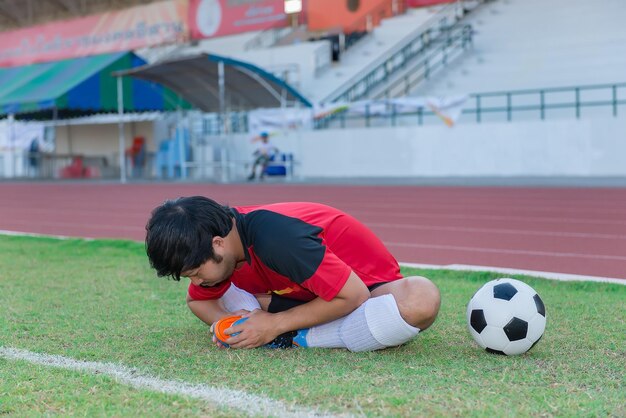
{"x":100,"y":140}
{"x":568,"y":148}
{"x":564,"y":148}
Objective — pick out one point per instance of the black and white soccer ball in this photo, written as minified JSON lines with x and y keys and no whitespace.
{"x":506,"y":316}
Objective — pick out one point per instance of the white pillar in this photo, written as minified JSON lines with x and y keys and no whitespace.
{"x":122,"y":138}
{"x":224,"y":119}
{"x":13,"y":146}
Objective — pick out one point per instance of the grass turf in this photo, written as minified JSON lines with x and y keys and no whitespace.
{"x":99,"y":301}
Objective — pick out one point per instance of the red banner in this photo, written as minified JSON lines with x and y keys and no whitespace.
{"x":210,"y":18}
{"x":348,"y":15}
{"x":422,"y":3}
{"x":136,"y":27}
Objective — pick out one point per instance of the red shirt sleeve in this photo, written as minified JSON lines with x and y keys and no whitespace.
{"x":331,"y":275}
{"x":208,"y":293}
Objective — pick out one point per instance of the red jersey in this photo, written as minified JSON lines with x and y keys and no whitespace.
{"x":301,"y":251}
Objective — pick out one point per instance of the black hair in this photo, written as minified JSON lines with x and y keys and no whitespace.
{"x":179,"y":233}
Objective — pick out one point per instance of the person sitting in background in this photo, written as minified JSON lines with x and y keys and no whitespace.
{"x":263,"y":155}
{"x":137,"y":154}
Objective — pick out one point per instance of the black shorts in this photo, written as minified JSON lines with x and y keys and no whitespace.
{"x":281,"y":303}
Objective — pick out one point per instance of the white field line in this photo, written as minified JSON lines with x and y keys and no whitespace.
{"x":533,"y":273}
{"x":105,"y":227}
{"x":249,"y":404}
{"x":33,"y":234}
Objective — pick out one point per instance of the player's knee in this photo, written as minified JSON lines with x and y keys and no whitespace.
{"x":420,"y":302}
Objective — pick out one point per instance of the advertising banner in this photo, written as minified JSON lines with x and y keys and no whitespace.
{"x":448,"y":109}
{"x":210,"y":18}
{"x":123,"y":30}
{"x":16,"y":135}
{"x":349,"y":15}
{"x":274,"y":121}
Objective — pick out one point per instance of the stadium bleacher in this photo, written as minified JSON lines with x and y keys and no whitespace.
{"x":512,"y":59}
{"x":538,"y":44}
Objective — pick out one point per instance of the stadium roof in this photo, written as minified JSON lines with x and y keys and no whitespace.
{"x":80,"y":86}
{"x":197,"y":79}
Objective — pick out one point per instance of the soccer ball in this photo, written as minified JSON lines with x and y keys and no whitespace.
{"x":506,"y":316}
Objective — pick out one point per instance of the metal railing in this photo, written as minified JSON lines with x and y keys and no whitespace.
{"x":212,"y":124}
{"x":407,"y":49}
{"x":507,"y":106}
{"x":445,"y":49}
{"x":434,"y":49}
{"x":235,"y":170}
{"x":543,"y":103}
{"x":23,"y":164}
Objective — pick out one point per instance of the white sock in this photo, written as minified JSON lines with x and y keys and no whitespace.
{"x":235,"y":299}
{"x":355,"y":332}
{"x":385,"y":322}
{"x":376,"y":324}
{"x":325,"y":335}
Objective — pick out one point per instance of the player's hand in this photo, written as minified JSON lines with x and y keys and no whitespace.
{"x":240,"y":312}
{"x":217,"y":343}
{"x":258,"y":330}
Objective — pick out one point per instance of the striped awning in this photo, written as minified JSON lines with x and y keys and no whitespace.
{"x":80,"y":86}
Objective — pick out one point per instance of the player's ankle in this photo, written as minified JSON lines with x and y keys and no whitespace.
{"x":290,"y":339}
{"x":299,"y":340}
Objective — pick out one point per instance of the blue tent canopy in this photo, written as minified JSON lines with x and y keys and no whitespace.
{"x":80,"y":86}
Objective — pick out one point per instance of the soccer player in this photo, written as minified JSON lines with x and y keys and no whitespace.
{"x":302,"y":273}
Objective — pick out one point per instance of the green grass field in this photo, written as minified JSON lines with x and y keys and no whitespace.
{"x":99,"y":301}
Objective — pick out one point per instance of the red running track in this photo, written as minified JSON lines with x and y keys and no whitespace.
{"x":564,"y":230}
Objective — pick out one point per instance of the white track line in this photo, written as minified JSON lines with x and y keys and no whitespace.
{"x":364,"y":214}
{"x":219,"y":397}
{"x":504,"y":270}
{"x":461,"y":267}
{"x":497,"y":231}
{"x":503,"y":251}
